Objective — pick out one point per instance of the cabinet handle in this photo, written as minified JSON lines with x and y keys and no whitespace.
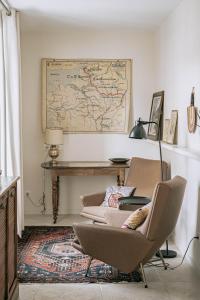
{"x":2,"y":206}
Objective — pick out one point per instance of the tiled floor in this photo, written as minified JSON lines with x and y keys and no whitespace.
{"x":180,"y":284}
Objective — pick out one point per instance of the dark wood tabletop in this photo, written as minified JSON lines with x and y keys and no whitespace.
{"x":83,"y":164}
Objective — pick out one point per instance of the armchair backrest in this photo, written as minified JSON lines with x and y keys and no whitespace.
{"x":165,"y":209}
{"x":144,"y":174}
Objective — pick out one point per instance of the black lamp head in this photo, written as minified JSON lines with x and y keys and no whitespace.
{"x":138,"y":131}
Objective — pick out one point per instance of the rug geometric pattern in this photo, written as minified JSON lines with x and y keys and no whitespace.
{"x":45,"y":255}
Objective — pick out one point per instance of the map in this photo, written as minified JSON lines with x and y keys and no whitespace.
{"x":86,"y":95}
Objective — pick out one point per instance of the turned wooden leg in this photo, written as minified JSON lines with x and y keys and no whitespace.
{"x":121,"y":177}
{"x":118,"y":180}
{"x":55,"y":197}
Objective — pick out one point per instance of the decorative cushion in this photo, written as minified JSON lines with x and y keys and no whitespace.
{"x":137,"y":217}
{"x":113,"y":193}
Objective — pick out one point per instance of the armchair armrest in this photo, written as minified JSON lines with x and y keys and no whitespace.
{"x":121,"y":248}
{"x":116,"y":217}
{"x":93,"y":199}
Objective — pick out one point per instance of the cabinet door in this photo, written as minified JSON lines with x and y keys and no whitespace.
{"x":12,"y":242}
{"x":3,"y":246}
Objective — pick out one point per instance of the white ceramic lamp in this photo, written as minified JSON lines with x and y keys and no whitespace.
{"x":54,"y":137}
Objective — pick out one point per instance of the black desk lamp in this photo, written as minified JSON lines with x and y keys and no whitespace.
{"x":138,"y":132}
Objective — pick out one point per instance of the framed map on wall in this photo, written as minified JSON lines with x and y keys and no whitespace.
{"x":86,"y":96}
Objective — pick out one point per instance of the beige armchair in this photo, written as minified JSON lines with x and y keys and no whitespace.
{"x":143,"y":174}
{"x":126,"y":249}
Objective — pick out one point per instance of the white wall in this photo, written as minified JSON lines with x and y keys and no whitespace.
{"x":178,"y":70}
{"x":134,"y":44}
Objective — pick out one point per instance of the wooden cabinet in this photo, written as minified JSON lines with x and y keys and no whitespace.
{"x":3,"y":247}
{"x":8,"y":239}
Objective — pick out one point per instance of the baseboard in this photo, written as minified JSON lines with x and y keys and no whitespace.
{"x":68,"y":212}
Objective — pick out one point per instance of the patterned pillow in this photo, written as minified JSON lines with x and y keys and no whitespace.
{"x":113,"y":193}
{"x":137,"y":217}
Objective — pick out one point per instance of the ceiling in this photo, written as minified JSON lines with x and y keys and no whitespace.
{"x":48,"y":15}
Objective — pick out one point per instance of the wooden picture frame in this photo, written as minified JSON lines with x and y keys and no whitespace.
{"x":155,"y":115}
{"x":172,"y":128}
{"x":166,"y":127}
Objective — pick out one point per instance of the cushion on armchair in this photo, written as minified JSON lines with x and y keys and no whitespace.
{"x":137,"y":217}
{"x":113,"y":193}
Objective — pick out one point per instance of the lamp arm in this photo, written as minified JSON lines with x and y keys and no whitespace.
{"x":148,"y":122}
{"x":160,"y":150}
{"x":159,"y":141}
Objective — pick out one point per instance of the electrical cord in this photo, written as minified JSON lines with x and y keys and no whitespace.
{"x":195,"y":237}
{"x":151,"y":264}
{"x":33,"y":203}
{"x":41,"y":201}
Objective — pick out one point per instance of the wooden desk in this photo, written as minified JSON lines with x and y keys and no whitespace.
{"x":81,"y":168}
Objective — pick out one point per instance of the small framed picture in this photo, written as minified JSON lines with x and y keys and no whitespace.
{"x":172,"y":127}
{"x":166,"y":130}
{"x":155,"y":115}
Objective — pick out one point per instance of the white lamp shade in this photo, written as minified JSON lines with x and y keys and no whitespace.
{"x":54,"y":137}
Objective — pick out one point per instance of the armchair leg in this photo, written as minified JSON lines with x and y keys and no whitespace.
{"x":88,"y":266}
{"x":162,"y":259}
{"x":143,"y":275}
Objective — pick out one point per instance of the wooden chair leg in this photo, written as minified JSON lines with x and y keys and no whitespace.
{"x":143,"y":275}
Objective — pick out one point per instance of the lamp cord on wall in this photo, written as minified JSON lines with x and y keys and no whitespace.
{"x":175,"y":267}
{"x":41,"y":201}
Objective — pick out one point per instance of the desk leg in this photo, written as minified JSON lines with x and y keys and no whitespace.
{"x":121,"y":177}
{"x":55,"y":197}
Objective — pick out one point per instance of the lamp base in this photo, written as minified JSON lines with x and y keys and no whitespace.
{"x":53,"y":153}
{"x":167,"y":253}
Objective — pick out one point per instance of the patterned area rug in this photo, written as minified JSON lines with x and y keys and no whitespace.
{"x":45,"y":255}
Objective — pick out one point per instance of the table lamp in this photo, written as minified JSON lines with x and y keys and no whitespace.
{"x":138,"y":132}
{"x":54,"y":137}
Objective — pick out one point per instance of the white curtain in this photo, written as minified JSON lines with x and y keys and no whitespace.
{"x":10,"y":105}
